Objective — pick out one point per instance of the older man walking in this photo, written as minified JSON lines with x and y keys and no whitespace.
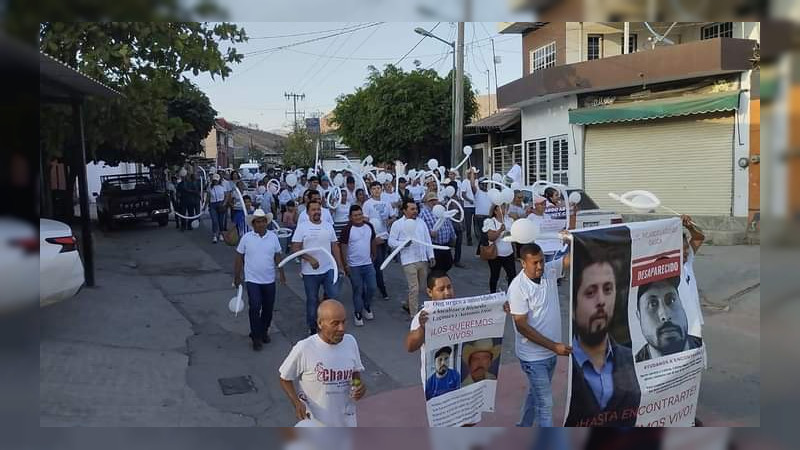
{"x":258,"y":255}
{"x":327,"y":368}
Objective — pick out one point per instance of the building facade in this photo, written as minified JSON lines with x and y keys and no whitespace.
{"x":666,"y":107}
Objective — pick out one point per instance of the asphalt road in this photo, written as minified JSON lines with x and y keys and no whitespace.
{"x":149,"y":344}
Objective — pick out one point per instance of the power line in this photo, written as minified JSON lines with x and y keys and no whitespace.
{"x":307,"y":41}
{"x":346,"y":27}
{"x":319,"y":58}
{"x":416,"y":45}
{"x":327,"y":61}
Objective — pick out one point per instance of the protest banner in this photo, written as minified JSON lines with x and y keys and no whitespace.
{"x":461,"y":358}
{"x":629,"y":312}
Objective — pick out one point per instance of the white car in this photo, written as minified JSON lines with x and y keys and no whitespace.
{"x":19,"y":260}
{"x":60,"y":266}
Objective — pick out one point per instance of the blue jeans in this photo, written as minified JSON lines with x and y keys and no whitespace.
{"x":381,"y":252}
{"x":312,"y":284}
{"x":261,"y":300}
{"x":538,"y":405}
{"x":217,"y":218}
{"x":364,"y":286}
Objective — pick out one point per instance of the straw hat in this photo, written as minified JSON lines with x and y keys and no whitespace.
{"x":482,"y":345}
{"x":258,"y":214}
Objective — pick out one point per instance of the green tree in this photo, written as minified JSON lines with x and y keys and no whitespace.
{"x":401,"y":115}
{"x":146,"y":62}
{"x":193,"y":108}
{"x":299,"y":150}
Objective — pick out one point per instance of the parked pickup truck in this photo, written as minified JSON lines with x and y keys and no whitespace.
{"x":127,"y":198}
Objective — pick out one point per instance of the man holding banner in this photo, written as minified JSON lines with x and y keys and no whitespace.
{"x":534,"y":305}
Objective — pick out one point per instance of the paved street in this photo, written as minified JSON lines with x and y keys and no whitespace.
{"x":147,"y":346}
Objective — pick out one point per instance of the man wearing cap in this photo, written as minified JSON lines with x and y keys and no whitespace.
{"x":443,"y":379}
{"x":445,"y":235}
{"x":258,"y":254}
{"x":479,"y":356}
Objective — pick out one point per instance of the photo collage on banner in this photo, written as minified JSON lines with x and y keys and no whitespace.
{"x":461,"y":362}
{"x":637,"y":347}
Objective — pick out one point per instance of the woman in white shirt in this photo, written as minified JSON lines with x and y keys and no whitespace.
{"x":494,"y":227}
{"x":217,"y":207}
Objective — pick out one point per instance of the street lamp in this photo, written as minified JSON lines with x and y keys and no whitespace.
{"x":453,"y":144}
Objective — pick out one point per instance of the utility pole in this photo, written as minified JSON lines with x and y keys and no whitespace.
{"x":489,"y":90}
{"x":494,"y":63}
{"x":459,"y":113}
{"x":294,"y":98}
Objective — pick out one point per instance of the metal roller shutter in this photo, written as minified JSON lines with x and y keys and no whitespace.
{"x":687,"y":163}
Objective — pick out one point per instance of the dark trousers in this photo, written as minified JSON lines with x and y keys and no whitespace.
{"x":477,"y":228}
{"x":444,"y":259}
{"x":190,"y":209}
{"x":504,"y":262}
{"x":381,"y":252}
{"x":261,"y":300}
{"x":459,"y":240}
{"x":469,"y":213}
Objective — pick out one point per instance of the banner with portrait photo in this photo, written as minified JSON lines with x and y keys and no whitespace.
{"x":637,"y":352}
{"x":461,"y":361}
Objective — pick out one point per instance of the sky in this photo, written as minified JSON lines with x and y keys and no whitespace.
{"x":329,"y":67}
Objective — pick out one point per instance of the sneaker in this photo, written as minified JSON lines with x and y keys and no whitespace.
{"x":214,"y":240}
{"x":266,"y":339}
{"x":385,"y":297}
{"x":368,"y":314}
{"x":257,"y":345}
{"x":359,"y":321}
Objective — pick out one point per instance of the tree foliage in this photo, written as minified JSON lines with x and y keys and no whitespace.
{"x":398,"y":114}
{"x":161,"y":114}
{"x":299,"y":151}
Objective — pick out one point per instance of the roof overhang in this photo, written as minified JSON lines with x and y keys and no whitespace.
{"x":58,"y":81}
{"x":663,"y":64}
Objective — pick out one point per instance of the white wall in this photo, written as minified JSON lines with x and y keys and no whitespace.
{"x":549,"y":119}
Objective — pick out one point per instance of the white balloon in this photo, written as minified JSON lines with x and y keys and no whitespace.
{"x":467,"y":150}
{"x":236,"y":305}
{"x":497,"y":177}
{"x":195,"y":224}
{"x":523,"y":231}
{"x":388,"y":177}
{"x":495,"y":196}
{"x":433,"y":164}
{"x":368,"y":160}
{"x":291,"y":180}
{"x":449,"y":192}
{"x":338,"y":180}
{"x":182,"y":172}
{"x":516,"y":185}
{"x":507,"y":195}
{"x":412,"y":174}
{"x":438,"y":211}
{"x":410,"y":228}
{"x":575,"y":197}
{"x":381,"y":178}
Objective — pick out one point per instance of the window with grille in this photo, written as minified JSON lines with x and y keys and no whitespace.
{"x":543,"y":57}
{"x":717,"y":30}
{"x":536,"y":161}
{"x":594,"y":47}
{"x":505,"y":157}
{"x":633,"y":43}
{"x":559,"y":162}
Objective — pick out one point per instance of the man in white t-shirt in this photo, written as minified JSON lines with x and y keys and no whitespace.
{"x":358,"y":246}
{"x":327,"y":368}
{"x":482,"y":206}
{"x":314,"y":196}
{"x":469,"y":204}
{"x":258,"y":254}
{"x":415,"y":257}
{"x":317,"y":267}
{"x":534,"y":304}
{"x":379,"y":214}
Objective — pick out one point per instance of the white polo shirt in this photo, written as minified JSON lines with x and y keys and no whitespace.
{"x":540,"y":303}
{"x":259,"y":256}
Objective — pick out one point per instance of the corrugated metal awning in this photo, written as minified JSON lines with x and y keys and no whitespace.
{"x":657,"y":109}
{"x":58,"y":80}
{"x":499,"y":121}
